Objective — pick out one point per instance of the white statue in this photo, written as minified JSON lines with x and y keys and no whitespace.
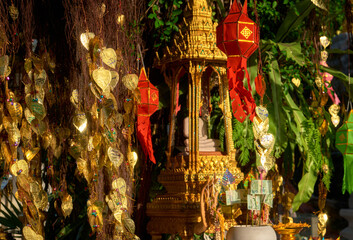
{"x":205,"y":144}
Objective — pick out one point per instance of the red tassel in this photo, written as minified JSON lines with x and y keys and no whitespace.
{"x":260,"y":86}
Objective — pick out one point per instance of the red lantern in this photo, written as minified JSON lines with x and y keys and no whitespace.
{"x":238,"y":37}
{"x":147,"y":106}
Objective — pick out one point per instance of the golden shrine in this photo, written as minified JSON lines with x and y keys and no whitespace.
{"x":195,"y":62}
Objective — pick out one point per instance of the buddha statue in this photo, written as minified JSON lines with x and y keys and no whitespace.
{"x":205,"y":144}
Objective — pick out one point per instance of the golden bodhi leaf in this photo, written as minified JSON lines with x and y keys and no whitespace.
{"x":119,"y":184}
{"x":261,"y":112}
{"x":29,"y":234}
{"x":13,"y":12}
{"x":36,"y":106}
{"x":15,"y":110}
{"x":66,"y":205}
{"x":102,"y":78}
{"x":28,"y":65}
{"x":85,"y":38}
{"x":40,"y":78}
{"x":129,"y":225}
{"x":74,"y":98}
{"x":19,"y":167}
{"x":320,"y":4}
{"x":115,"y":156}
{"x":31,"y":153}
{"x":109,"y":57}
{"x":130,"y":81}
{"x":80,"y":122}
{"x":115,"y":80}
{"x":132,"y":157}
{"x":29,"y":115}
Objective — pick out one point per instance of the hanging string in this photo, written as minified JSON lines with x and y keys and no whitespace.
{"x":257,"y":19}
{"x":143,"y":64}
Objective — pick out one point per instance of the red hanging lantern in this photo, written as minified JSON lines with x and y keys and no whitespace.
{"x":238,"y":37}
{"x":147,"y":106}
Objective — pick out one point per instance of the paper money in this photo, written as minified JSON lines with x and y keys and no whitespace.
{"x":254,"y":202}
{"x":236,"y":196}
{"x":268,"y":200}
{"x":256,"y":187}
{"x":261,"y":187}
{"x":266,"y":187}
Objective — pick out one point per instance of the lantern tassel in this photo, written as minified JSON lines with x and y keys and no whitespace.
{"x":243,"y":103}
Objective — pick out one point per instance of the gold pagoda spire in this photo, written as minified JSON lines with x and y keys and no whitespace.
{"x":197,"y":36}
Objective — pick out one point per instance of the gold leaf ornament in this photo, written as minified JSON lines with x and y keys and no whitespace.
{"x":29,"y":115}
{"x":130,"y":81}
{"x":66,"y":205}
{"x":39,"y":127}
{"x":28,"y":65}
{"x":19,"y":167}
{"x":260,"y":128}
{"x":115,"y":156}
{"x":85,"y":38}
{"x":296,"y":81}
{"x":335,"y":120}
{"x":324,"y":41}
{"x":318,"y":81}
{"x":40,"y":197}
{"x":29,"y":234}
{"x":15,"y":110}
{"x":13,"y":12}
{"x":102,"y":78}
{"x":12,"y":130}
{"x":109,"y":57}
{"x":267,"y":140}
{"x":102,"y":10}
{"x":334,"y":109}
{"x":120,"y":185}
{"x":129,"y":225}
{"x":31,"y":153}
{"x":40,"y":78}
{"x":74,"y":98}
{"x":132,"y":159}
{"x":80,"y":122}
{"x":115,"y":80}
{"x":261,"y":112}
{"x":36,"y":106}
{"x":120,"y":19}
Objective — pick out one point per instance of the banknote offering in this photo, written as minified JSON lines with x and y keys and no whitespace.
{"x":268,"y":200}
{"x":254,"y":202}
{"x":266,"y":187}
{"x":261,"y":187}
{"x":236,"y":196}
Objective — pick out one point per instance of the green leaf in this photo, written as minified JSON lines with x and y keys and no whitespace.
{"x":221,"y":8}
{"x":277,"y":96}
{"x":306,"y":189}
{"x":339,"y":51}
{"x":152,"y":16}
{"x":293,"y":20}
{"x":340,"y":75}
{"x":293,"y":51}
{"x":252,"y":69}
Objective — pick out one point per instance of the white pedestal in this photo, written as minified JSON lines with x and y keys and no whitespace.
{"x":251,"y":233}
{"x":348,"y":215}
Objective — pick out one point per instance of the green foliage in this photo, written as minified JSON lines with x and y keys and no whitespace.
{"x":165,"y":16}
{"x":10,"y":220}
{"x":243,"y":138}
